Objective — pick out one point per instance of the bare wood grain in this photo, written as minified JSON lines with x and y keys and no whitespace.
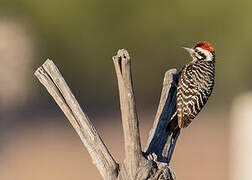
{"x":49,"y":75}
{"x":132,"y":146}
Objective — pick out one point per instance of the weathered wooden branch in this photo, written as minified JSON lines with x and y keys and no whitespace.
{"x":132,"y":146}
{"x":50,"y":77}
{"x":159,"y":140}
{"x":137,"y":165}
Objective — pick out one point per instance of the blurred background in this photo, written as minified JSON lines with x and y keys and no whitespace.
{"x":36,"y":140}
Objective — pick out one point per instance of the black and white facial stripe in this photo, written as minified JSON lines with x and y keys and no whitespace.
{"x":202,"y":54}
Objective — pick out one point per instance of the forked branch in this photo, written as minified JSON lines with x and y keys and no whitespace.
{"x":137,"y":165}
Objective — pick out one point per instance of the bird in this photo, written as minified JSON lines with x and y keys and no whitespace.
{"x":194,"y":87}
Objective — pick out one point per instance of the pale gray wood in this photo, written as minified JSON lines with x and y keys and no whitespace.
{"x":144,"y":167}
{"x":133,"y":152}
{"x":136,"y":166}
{"x":50,"y":77}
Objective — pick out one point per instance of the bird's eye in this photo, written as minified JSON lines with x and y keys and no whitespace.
{"x":198,"y":53}
{"x":201,"y":55}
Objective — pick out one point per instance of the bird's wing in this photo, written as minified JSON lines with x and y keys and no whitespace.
{"x":190,"y":100}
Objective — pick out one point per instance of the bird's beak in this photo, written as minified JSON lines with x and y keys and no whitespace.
{"x":190,"y":50}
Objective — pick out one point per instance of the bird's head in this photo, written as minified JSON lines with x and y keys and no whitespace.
{"x":202,"y":51}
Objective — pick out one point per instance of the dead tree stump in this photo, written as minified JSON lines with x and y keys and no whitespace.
{"x":138,"y":165}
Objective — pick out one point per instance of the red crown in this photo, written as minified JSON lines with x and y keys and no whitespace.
{"x":204,"y":45}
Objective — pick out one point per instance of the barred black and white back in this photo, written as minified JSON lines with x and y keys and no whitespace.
{"x":195,"y":84}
